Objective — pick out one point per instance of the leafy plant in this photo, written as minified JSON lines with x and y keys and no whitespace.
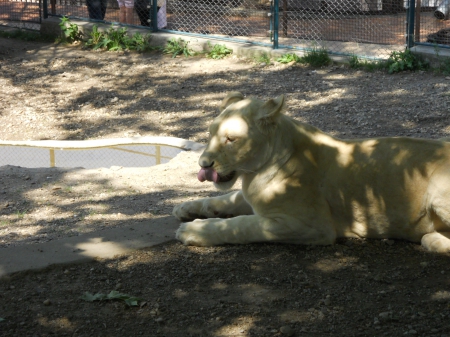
{"x":263,"y":58}
{"x":288,"y":58}
{"x":118,"y":40}
{"x":140,"y":42}
{"x":218,"y":51}
{"x":405,"y":60}
{"x":113,"y":295}
{"x":70,"y":31}
{"x":178,"y":47}
{"x":316,"y":58}
{"x":96,"y":38}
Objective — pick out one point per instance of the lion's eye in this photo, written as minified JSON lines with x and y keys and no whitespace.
{"x":230,"y":139}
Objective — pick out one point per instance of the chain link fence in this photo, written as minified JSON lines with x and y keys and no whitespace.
{"x":24,"y":14}
{"x":365,"y":28}
{"x":119,"y":155}
{"x":432,"y":22}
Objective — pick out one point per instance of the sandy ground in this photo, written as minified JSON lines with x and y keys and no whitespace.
{"x":354,"y":288}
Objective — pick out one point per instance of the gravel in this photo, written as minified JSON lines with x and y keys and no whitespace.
{"x":356,"y":287}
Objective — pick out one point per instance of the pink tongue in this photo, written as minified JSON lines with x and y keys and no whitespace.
{"x":208,"y":174}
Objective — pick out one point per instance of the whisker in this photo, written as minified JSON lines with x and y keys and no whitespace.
{"x":245,"y":170}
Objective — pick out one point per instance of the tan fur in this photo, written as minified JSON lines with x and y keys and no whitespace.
{"x":300,"y":185}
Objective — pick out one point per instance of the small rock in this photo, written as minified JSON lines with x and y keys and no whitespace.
{"x":47,"y":302}
{"x":287,"y":330}
{"x":423,"y":264}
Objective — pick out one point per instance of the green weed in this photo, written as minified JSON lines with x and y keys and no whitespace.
{"x":176,"y":47}
{"x":70,"y":31}
{"x":95,"y":39}
{"x":368,"y":65}
{"x":218,"y":51}
{"x":288,"y":58}
{"x":405,"y":60}
{"x":263,"y":58}
{"x":21,"y":215}
{"x":316,"y":58}
{"x":117,"y":40}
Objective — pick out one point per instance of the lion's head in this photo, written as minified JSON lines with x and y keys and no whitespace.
{"x":239,"y":139}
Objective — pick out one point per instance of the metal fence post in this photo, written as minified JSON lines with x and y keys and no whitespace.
{"x":276,"y":22}
{"x":155,"y":15}
{"x":45,"y":8}
{"x":410,"y":24}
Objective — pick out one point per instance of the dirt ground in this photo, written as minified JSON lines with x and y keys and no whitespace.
{"x":355,"y":288}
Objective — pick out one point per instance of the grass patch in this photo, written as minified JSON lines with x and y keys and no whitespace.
{"x":398,"y":61}
{"x":443,"y":66}
{"x":367,"y":65}
{"x":263,"y":58}
{"x":288,"y":58}
{"x":117,"y":39}
{"x":315,"y":58}
{"x":218,"y":51}
{"x":25,"y":35}
{"x":405,"y":60}
{"x":176,"y":47}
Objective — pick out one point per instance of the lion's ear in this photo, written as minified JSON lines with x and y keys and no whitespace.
{"x":231,"y":98}
{"x":272,"y":108}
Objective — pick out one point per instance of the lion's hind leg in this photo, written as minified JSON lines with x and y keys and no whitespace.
{"x":438,"y":242}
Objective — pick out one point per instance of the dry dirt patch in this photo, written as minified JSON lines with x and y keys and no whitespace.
{"x":354,"y":288}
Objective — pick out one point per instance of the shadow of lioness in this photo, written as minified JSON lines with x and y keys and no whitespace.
{"x":300,"y":185}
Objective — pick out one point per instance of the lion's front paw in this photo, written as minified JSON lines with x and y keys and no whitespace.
{"x":197,"y":233}
{"x":186,"y":211}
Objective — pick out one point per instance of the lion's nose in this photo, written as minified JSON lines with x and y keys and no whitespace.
{"x":204,"y":163}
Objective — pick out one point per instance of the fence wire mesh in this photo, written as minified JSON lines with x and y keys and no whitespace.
{"x":24,"y":14}
{"x":370,"y":28}
{"x":132,"y":12}
{"x":432,"y":23}
{"x":236,"y":18}
{"x":119,"y":155}
{"x":365,"y":28}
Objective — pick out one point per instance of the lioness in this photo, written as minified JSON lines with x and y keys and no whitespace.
{"x":300,"y":185}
